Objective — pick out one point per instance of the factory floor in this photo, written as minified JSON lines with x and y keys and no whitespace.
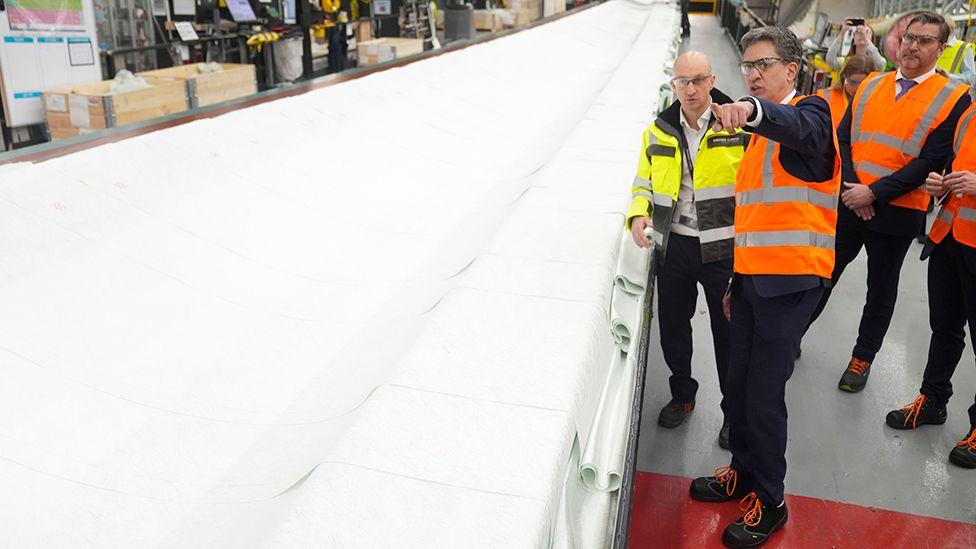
{"x":852,"y":481}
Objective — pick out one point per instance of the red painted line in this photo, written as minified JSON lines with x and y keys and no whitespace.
{"x":664,"y":515}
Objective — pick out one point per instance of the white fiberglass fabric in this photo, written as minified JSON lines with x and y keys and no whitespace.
{"x":372,"y":315}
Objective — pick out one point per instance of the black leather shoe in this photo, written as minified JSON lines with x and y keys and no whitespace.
{"x":964,"y":454}
{"x":674,"y":413}
{"x":756,"y":525}
{"x":920,"y":412}
{"x":724,"y":486}
{"x":855,"y":376}
{"x":723,"y":436}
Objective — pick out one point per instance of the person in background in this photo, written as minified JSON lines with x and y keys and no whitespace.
{"x":838,"y":96}
{"x":785,"y":216}
{"x":685,"y":180}
{"x":685,"y":23}
{"x":957,"y":59}
{"x":863,"y":45}
{"x":951,"y":252}
{"x":897,"y":129}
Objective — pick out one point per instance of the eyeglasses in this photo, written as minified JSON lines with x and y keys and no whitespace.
{"x":761,"y":64}
{"x":682,"y":82}
{"x":921,"y":39}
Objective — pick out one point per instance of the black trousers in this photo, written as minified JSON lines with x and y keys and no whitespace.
{"x":677,"y":300}
{"x":886,"y":254}
{"x":765,"y":333}
{"x":685,"y":23}
{"x":952,"y":304}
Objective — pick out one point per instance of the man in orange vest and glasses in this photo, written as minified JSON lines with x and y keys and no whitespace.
{"x":951,"y":251}
{"x":786,"y":194}
{"x":897,"y":129}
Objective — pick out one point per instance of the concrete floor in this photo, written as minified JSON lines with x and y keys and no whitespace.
{"x":839,"y":447}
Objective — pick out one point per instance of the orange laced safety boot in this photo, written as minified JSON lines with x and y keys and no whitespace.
{"x":724,"y":486}
{"x":921,"y":412}
{"x":964,"y":454}
{"x":758,"y":522}
{"x":855,"y":376}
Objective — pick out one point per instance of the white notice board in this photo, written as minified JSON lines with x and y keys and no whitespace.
{"x":44,"y":49}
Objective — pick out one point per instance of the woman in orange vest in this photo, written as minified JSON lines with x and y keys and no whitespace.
{"x":838,"y":96}
{"x":951,"y":251}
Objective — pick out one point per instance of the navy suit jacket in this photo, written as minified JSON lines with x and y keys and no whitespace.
{"x":806,"y":137}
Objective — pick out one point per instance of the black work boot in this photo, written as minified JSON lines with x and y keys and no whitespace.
{"x":855,"y":376}
{"x":756,"y":525}
{"x":723,"y":435}
{"x":964,"y":454}
{"x":921,"y":412}
{"x":674,"y":413}
{"x":724,"y":486}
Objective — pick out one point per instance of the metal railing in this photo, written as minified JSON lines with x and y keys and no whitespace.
{"x":883,"y":8}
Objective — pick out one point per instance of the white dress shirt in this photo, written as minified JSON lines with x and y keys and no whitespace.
{"x":685,"y":221}
{"x":759,"y":114}
{"x":918,"y":79}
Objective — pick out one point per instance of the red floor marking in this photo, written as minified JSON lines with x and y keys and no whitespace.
{"x":665,"y":516}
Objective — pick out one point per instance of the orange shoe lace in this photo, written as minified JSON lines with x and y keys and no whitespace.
{"x":969,"y":441}
{"x":752,"y":507}
{"x":728,"y":477}
{"x":858,"y":366}
{"x":913,"y":410}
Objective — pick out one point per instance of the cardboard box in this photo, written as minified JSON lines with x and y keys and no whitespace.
{"x":488,"y":20}
{"x":382,"y":50}
{"x":362,"y":30}
{"x":93,"y":106}
{"x":202,"y":89}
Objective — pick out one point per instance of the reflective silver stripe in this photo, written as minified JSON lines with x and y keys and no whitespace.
{"x":767,"y":169}
{"x":954,"y":67}
{"x":969,"y":214}
{"x":946,"y":216}
{"x":858,"y":111}
{"x":711,"y":193}
{"x":663,"y":200}
{"x":873,"y":169}
{"x":884,"y":139}
{"x":714,"y":235}
{"x":784,"y":238}
{"x":645,"y":194}
{"x":914,"y":144}
{"x":657,"y":237}
{"x":642,"y":182}
{"x":961,"y":132}
{"x":778,"y":195}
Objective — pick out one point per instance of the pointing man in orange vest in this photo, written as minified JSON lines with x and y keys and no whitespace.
{"x":786,"y":212}
{"x":897,"y":129}
{"x":951,"y":252}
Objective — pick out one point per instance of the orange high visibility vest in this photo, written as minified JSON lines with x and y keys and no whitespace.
{"x":837,"y":100}
{"x":783,"y":225}
{"x":887,"y":134}
{"x":959,"y":214}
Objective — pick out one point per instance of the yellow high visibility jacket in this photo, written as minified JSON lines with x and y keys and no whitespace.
{"x":655,"y":188}
{"x":951,"y":59}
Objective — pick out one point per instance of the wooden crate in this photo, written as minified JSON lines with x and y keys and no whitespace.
{"x":522,"y":16}
{"x":233,"y":82}
{"x":381,"y":50}
{"x":488,"y":20}
{"x":94,"y":106}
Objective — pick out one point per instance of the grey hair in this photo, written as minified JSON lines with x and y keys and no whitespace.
{"x":786,"y":43}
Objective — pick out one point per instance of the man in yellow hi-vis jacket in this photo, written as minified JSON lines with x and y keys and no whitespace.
{"x":684,"y":193}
